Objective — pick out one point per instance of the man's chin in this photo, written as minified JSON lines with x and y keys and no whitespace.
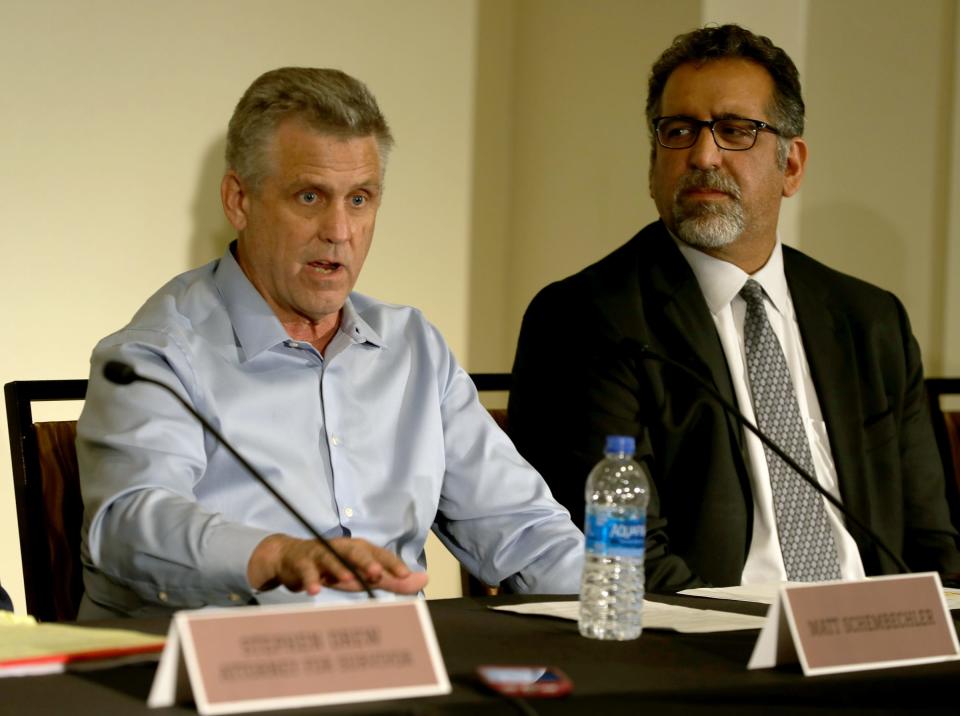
{"x":708,"y":232}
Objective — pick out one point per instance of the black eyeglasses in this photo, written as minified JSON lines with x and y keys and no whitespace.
{"x":734,"y":134}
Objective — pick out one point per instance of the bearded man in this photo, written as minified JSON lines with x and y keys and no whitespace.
{"x":824,"y":363}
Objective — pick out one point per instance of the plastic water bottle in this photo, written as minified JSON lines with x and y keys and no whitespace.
{"x":611,"y":590}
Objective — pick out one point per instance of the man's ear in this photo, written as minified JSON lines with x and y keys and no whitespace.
{"x":796,"y":161}
{"x":235,"y":200}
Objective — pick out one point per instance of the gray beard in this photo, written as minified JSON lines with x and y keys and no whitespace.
{"x":708,"y":225}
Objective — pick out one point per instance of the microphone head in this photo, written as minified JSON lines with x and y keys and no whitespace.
{"x":119,"y":372}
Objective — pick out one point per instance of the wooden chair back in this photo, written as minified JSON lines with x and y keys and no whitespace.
{"x":946,"y":428}
{"x":47,"y":492}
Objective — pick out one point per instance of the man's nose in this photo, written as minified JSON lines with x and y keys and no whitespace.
{"x":705,"y":154}
{"x":335,"y":224}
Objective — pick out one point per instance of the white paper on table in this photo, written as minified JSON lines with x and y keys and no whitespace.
{"x":952,"y":595}
{"x":655,"y":616}
{"x":767,"y":593}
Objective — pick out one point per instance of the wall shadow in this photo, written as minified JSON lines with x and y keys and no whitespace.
{"x":211,"y":230}
{"x":856,"y":240}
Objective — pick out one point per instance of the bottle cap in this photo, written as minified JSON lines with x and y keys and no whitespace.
{"x":621,"y":443}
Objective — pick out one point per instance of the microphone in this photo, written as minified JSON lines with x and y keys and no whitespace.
{"x":122,"y":373}
{"x":647,"y":353}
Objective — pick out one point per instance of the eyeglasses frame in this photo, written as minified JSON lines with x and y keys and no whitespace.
{"x":759,"y":126}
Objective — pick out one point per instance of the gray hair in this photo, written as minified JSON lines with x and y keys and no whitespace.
{"x":328,"y":100}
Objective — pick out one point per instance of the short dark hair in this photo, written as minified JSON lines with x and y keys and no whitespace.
{"x":327,"y":100}
{"x":732,"y":41}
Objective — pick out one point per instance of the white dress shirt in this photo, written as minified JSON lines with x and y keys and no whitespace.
{"x":721,"y":281}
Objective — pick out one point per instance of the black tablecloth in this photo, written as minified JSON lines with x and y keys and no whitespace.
{"x":660,"y":673}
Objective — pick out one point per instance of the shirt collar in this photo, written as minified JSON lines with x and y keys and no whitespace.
{"x":720,"y":281}
{"x":256,"y":326}
{"x":356,"y":329}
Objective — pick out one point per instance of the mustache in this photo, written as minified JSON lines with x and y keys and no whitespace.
{"x":712,"y":180}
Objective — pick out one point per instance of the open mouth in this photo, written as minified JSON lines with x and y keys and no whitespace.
{"x":324,"y":267}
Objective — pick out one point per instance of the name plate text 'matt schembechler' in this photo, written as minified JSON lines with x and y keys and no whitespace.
{"x":875,"y":623}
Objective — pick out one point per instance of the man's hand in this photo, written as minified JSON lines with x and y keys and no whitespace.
{"x":306,"y":565}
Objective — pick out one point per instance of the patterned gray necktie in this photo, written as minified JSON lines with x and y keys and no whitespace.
{"x":806,"y":540}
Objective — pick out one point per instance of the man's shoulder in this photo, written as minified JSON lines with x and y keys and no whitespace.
{"x":625,"y":260}
{"x":413,"y":344}
{"x":617,"y":271}
{"x":395,"y":322}
{"x":181,"y":303}
{"x":383,"y":313}
{"x":803,"y":270}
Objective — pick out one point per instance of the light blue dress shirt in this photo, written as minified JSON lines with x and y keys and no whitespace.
{"x":382,"y":438}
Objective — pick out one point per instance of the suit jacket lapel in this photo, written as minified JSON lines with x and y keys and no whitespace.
{"x":828,"y":344}
{"x":685,"y":311}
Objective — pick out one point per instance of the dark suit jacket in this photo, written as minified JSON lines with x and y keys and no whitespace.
{"x":5,"y":603}
{"x":578,"y":378}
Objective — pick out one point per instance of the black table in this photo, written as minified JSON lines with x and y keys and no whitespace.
{"x":660,"y":673}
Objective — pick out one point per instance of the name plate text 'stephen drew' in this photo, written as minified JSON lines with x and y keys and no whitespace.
{"x":280,"y":657}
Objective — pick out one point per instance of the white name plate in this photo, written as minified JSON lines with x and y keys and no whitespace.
{"x":279,"y":657}
{"x":877,"y":623}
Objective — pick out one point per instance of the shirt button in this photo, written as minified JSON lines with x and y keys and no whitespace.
{"x":334,"y":440}
{"x":162,"y":596}
{"x":348,"y":511}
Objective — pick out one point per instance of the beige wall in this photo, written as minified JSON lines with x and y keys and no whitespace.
{"x":880,"y":116}
{"x":951,"y":256}
{"x":521,"y":156}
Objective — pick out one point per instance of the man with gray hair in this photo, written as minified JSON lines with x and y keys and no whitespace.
{"x":355,"y":410}
{"x":824,"y":363}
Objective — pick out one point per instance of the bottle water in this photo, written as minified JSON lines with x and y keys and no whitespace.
{"x":611,"y":590}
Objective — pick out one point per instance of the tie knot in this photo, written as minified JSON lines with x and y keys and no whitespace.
{"x":752,"y":293}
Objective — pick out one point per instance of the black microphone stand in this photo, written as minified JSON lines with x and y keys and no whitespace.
{"x":648,"y":353}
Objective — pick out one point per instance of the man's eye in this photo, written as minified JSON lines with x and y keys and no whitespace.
{"x":358,"y":200}
{"x":735,"y":130}
{"x":309,"y":197}
{"x":675,"y":131}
